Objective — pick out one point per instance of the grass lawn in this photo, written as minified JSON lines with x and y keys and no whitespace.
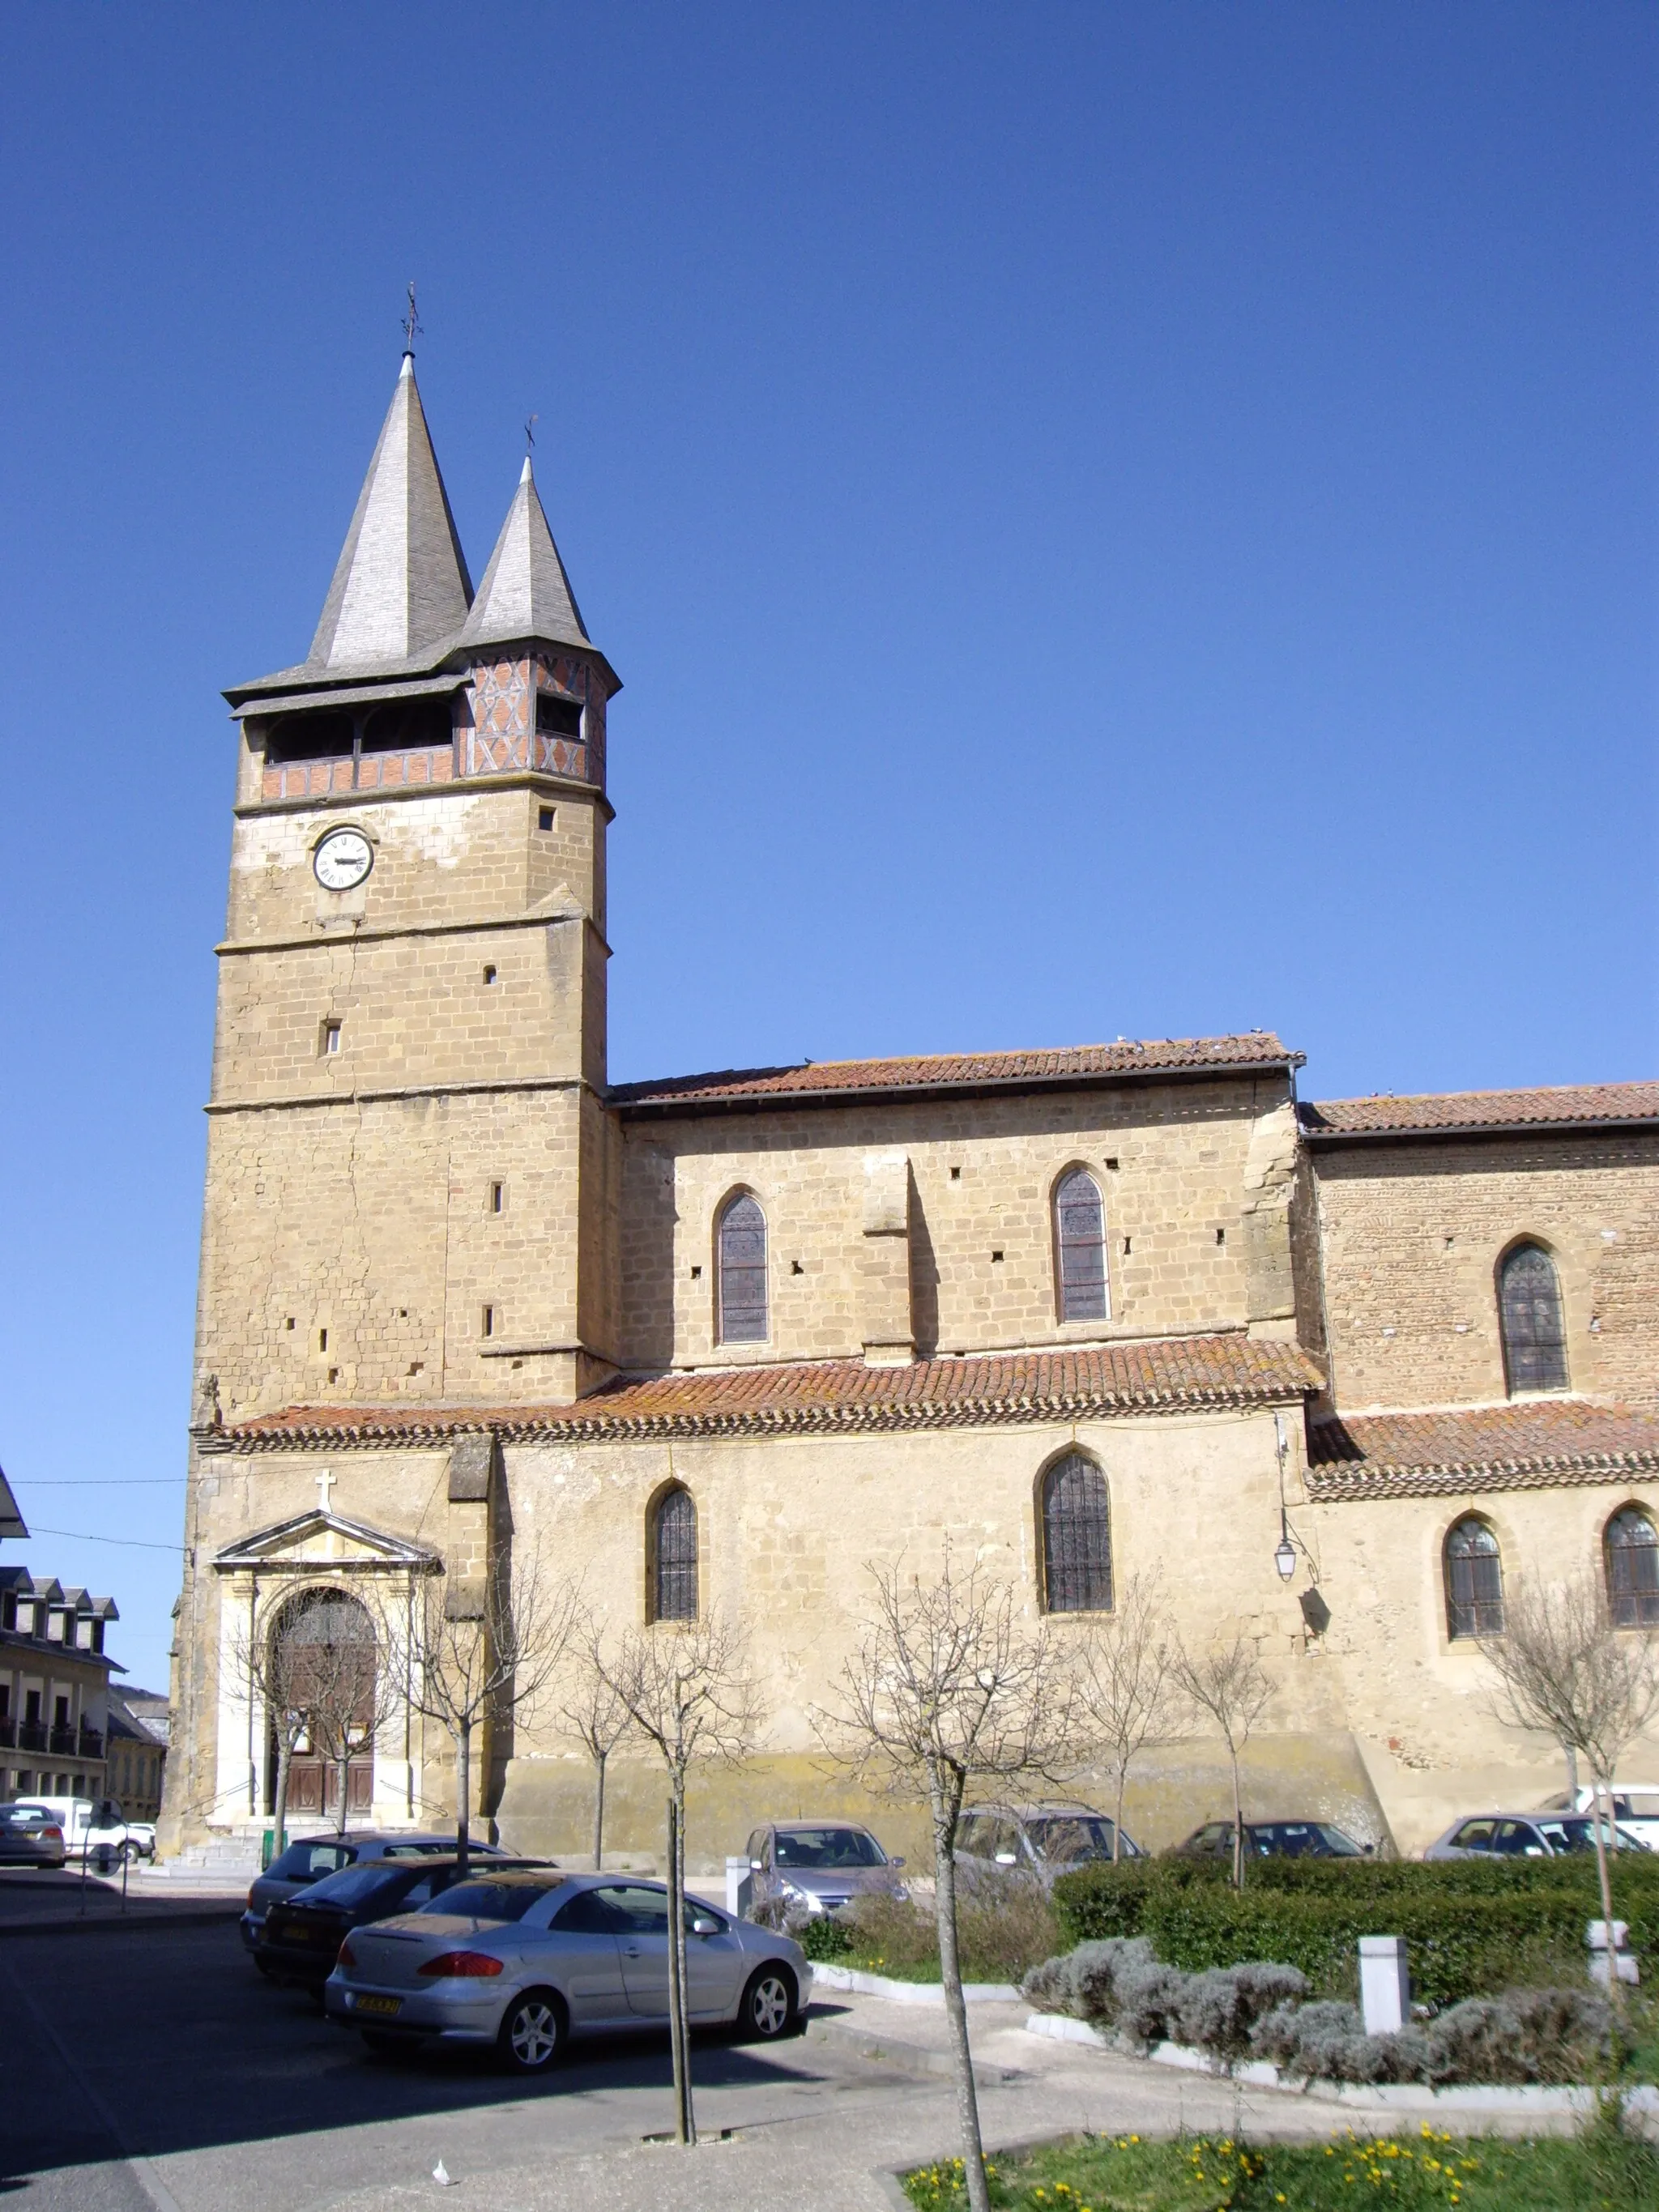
{"x":1602,"y":2166}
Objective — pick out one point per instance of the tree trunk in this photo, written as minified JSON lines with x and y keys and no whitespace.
{"x":946,"y":1807}
{"x":1238,"y":1823}
{"x":345,"y":1775}
{"x":463,"y":1796}
{"x":598,"y":1814}
{"x":279,"y":1821}
{"x":685,"y":2123}
{"x":1615,"y":1987}
{"x":1117,"y":1819}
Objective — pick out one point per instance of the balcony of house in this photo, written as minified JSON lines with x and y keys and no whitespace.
{"x":91,"y":1744}
{"x":32,"y":1736}
{"x":63,"y":1740}
{"x":7,"y":1732}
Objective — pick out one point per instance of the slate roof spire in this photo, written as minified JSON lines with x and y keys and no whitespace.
{"x":401,"y":585}
{"x":526,"y":591}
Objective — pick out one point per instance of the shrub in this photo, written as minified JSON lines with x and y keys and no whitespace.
{"x":1000,"y":1935}
{"x":1218,"y":2010}
{"x":824,"y":1939}
{"x":1471,"y":1928}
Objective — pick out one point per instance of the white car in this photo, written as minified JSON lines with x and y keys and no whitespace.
{"x":95,"y":1824}
{"x":1635,"y":1806}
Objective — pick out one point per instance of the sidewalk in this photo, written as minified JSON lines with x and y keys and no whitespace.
{"x":37,"y":1902}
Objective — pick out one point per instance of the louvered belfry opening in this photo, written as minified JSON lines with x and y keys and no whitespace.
{"x":1474,"y":1581}
{"x":743,"y":1272}
{"x":674,"y":1558}
{"x":1632,"y":1549}
{"x":1080,"y":1227}
{"x":1077,"y":1542}
{"x":1529,"y":1314}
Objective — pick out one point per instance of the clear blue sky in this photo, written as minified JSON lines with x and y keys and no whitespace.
{"x":1114,"y":520}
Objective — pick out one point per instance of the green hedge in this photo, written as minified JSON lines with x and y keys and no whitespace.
{"x":1471,"y":1926}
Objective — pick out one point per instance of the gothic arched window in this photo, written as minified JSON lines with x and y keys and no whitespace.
{"x":1632,"y":1550}
{"x":1077,"y":1539}
{"x":673,"y":1557}
{"x":1529,"y":1316}
{"x":1474,"y":1581}
{"x":743,"y":1272}
{"x":1080,"y":1240}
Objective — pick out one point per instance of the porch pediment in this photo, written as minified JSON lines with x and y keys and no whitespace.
{"x":324,"y":1539}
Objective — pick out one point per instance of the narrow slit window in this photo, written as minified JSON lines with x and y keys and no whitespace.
{"x":1529,"y":1318}
{"x":674,"y":1558}
{"x":496,"y":1196}
{"x":331,"y":1037}
{"x":490,"y":1320}
{"x":1474,"y":1581}
{"x":743,"y":1272}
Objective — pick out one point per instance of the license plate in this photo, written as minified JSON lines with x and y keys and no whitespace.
{"x":382,"y":2008}
{"x":294,"y":1935}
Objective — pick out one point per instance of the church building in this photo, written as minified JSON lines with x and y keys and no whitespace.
{"x":1334,"y":1373}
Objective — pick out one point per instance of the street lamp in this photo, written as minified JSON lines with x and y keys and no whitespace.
{"x":1284,"y":1557}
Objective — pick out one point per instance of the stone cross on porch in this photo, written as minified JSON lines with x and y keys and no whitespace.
{"x":325,"y":1482}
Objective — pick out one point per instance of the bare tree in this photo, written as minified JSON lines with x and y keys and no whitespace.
{"x":485,"y":1650}
{"x":946,"y":1688}
{"x":1566,"y":1669}
{"x":265,"y":1663}
{"x":1227,"y":1682}
{"x":596,"y":1711}
{"x":1125,"y":1685}
{"x":690,"y":1689}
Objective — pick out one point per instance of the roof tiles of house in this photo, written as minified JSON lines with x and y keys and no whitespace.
{"x":1172,"y":1375}
{"x":1536,"y":1444}
{"x":1259,"y":1052}
{"x":1477,"y":1111}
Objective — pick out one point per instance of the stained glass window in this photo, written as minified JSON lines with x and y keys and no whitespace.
{"x":1080,"y":1228}
{"x":1529,"y":1310}
{"x":1076,"y":1543}
{"x":674,"y":1559}
{"x":1474,"y":1581}
{"x":1633,"y":1570}
{"x":743,"y":1272}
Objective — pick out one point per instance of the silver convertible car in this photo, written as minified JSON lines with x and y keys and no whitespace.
{"x":525,"y":1961}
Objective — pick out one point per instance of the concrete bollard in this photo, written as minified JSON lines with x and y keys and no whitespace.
{"x":1384,"y":1985}
{"x":739,"y":1888}
{"x":1607,"y":1959}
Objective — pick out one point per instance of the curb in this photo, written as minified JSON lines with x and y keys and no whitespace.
{"x":120,"y":1924}
{"x":916,"y":2058}
{"x":1547,"y":2100}
{"x":856,"y":1983}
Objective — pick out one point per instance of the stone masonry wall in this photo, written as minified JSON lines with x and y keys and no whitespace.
{"x":1171,"y":1161}
{"x":1413,"y":1235}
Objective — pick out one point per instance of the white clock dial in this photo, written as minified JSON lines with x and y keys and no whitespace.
{"x":343,"y":859}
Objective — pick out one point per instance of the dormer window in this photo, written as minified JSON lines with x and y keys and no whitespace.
{"x":83,"y":1632}
{"x":557,"y":717}
{"x":57,"y":1626}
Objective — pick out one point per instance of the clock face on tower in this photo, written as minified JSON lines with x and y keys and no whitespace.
{"x":343,"y":859}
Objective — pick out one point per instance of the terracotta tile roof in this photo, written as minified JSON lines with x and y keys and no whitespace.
{"x":1171,"y":1375}
{"x":1477,"y":1110}
{"x":1536,"y":1444}
{"x":831,"y":1080}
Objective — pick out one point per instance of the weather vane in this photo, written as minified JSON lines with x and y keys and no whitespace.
{"x":412,"y":328}
{"x":529,"y":435}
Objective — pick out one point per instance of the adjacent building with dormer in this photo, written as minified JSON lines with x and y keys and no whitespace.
{"x":727,"y":1339}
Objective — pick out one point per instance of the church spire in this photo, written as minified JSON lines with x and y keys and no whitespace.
{"x":401,"y":585}
{"x":526,"y":591}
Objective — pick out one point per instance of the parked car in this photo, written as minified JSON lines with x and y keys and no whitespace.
{"x":1283,"y":1839}
{"x":1634,"y":1807}
{"x":95,"y":1824}
{"x":1041,"y":1842}
{"x":526,"y":1962}
{"x":302,"y":1934}
{"x":30,"y":1835}
{"x":1526,"y":1836}
{"x":819,"y":1865}
{"x":309,"y":1861}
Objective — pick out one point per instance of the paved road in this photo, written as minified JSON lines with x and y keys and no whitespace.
{"x":150,"y":2070}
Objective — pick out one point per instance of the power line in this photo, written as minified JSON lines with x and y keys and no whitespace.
{"x":79,"y":1536}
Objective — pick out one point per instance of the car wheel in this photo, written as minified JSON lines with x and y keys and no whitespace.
{"x":768,"y":2010}
{"x":533,"y":2033}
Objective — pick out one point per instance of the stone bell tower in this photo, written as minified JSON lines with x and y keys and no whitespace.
{"x":408,"y":1153}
